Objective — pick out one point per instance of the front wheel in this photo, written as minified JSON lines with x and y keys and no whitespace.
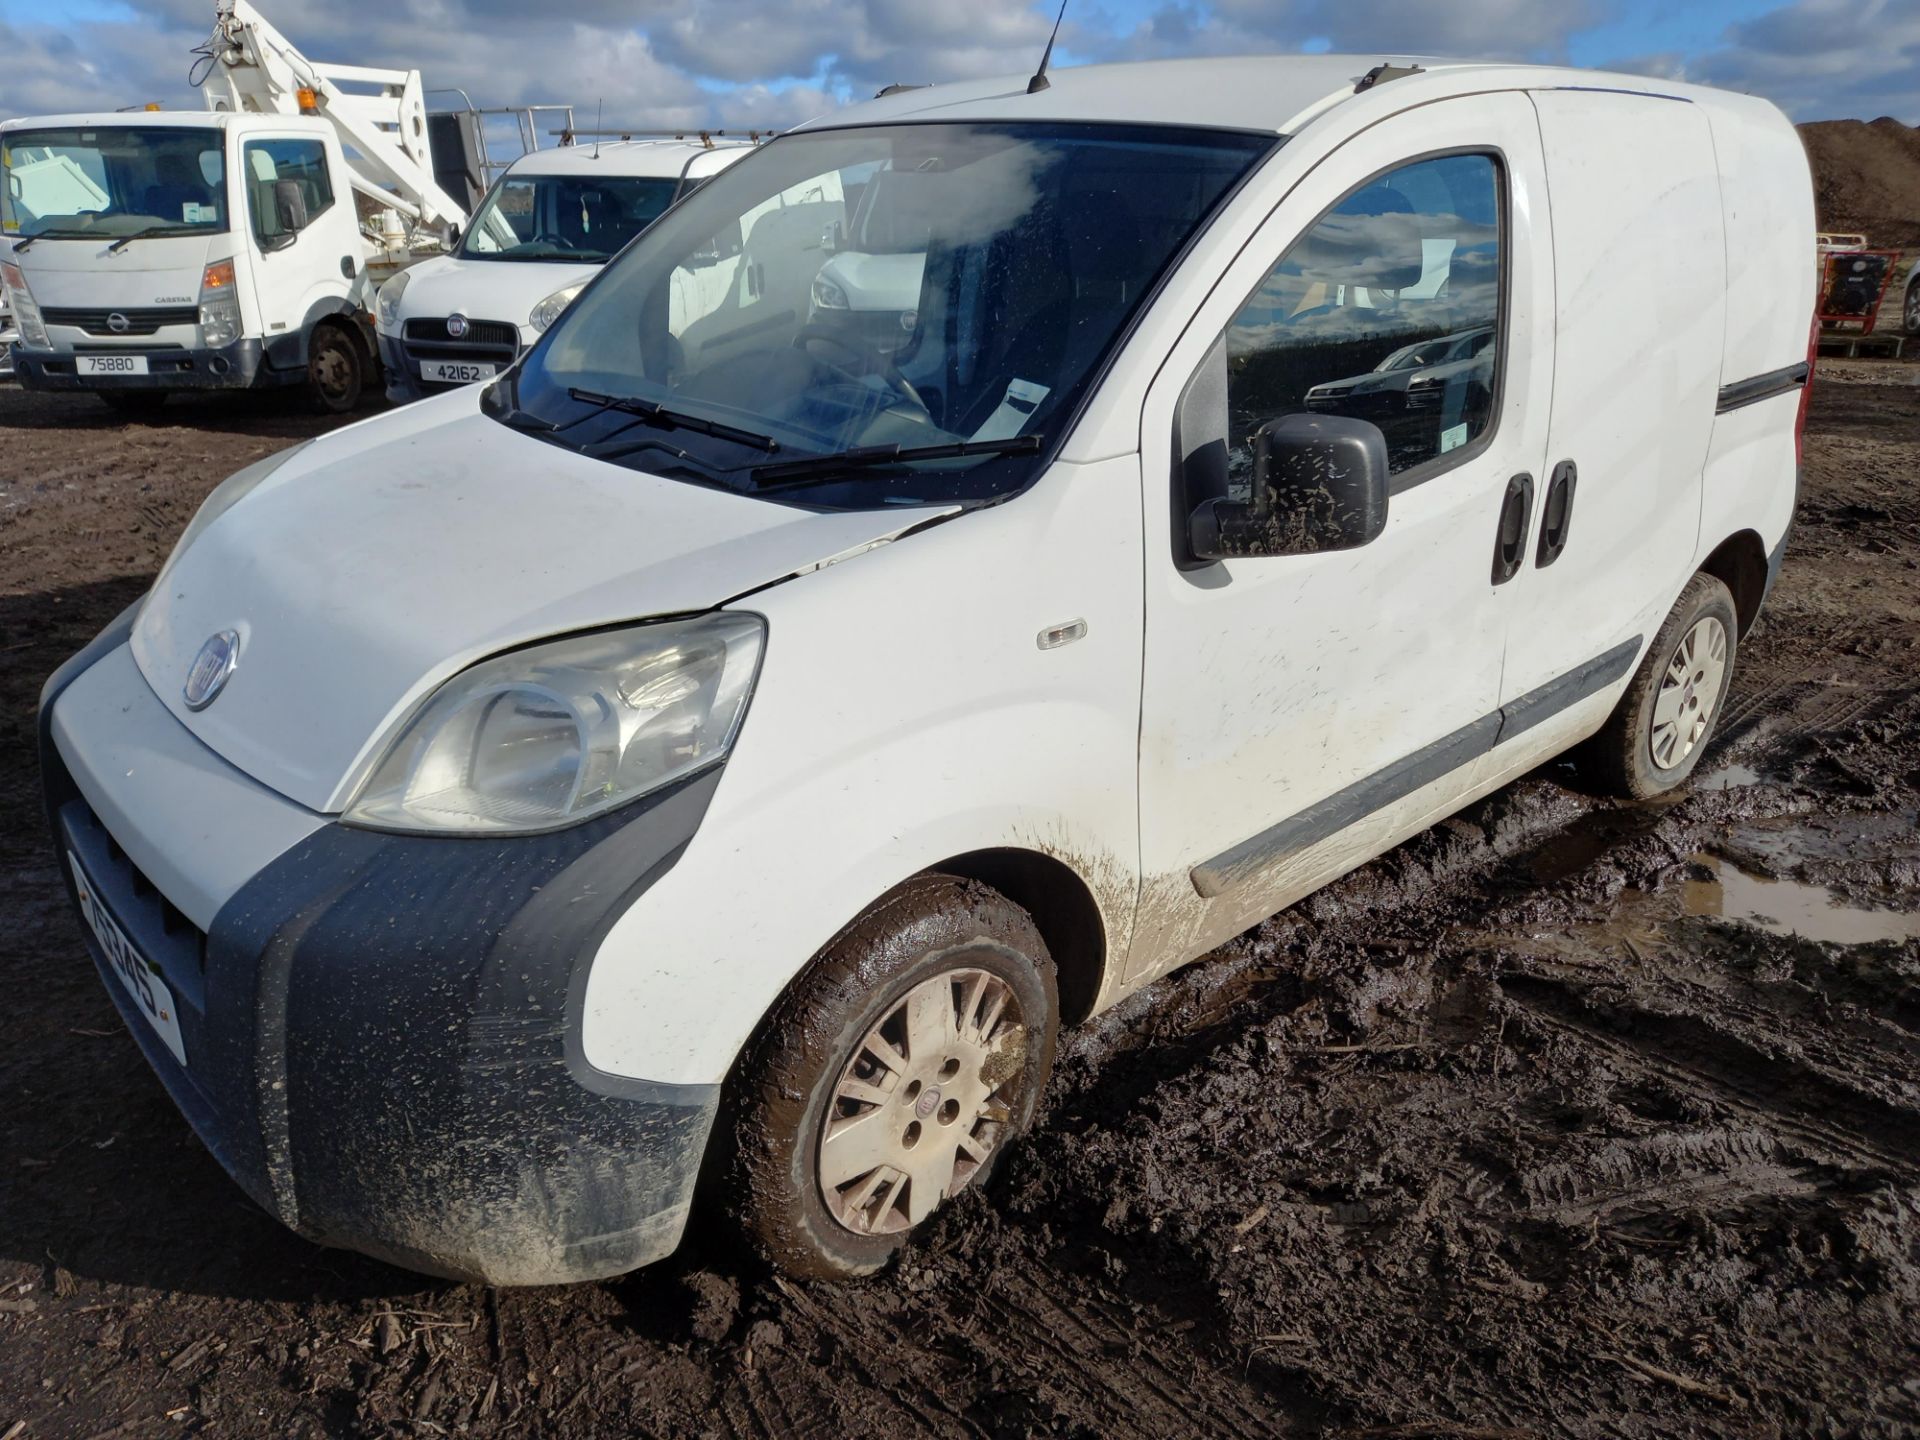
{"x":1910,"y":312}
{"x":891,"y":1077}
{"x":1657,"y":733}
{"x":336,"y":371}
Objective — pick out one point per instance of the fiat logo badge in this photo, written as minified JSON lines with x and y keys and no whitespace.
{"x":457,"y":326}
{"x":117,"y":323}
{"x":207,"y":676}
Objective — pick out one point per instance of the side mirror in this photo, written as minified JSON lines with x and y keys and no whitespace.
{"x":291,"y":203}
{"x":1319,"y":484}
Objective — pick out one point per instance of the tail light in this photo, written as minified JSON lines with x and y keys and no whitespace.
{"x":1806,"y":394}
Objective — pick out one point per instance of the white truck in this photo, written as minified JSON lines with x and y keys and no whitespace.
{"x":241,"y":246}
{"x":547,"y":225}
{"x":705,"y":766}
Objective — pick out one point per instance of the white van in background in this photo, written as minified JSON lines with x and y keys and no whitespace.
{"x":708,"y":764}
{"x":551,"y":221}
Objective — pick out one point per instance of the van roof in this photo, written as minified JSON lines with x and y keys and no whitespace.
{"x":663,"y":158}
{"x":1276,"y":94}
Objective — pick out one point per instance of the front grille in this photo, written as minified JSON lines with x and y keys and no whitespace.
{"x":137,"y":322}
{"x":487,"y":334}
{"x":152,"y":922}
{"x":487,"y":342}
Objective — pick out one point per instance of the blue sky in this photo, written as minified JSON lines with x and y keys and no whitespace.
{"x":774,"y":62}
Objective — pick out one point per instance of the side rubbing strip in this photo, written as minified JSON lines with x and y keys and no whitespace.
{"x":1400,"y":779}
{"x":1521,"y":715}
{"x":1762,"y":387}
{"x":1338,"y":811}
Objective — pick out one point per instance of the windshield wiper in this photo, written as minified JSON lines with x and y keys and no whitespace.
{"x":20,"y":246}
{"x":149,"y":232}
{"x":868,"y":457}
{"x":646,"y":412}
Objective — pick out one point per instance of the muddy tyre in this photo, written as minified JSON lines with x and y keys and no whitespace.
{"x":336,"y":371}
{"x":891,"y":1076}
{"x":1910,"y":308}
{"x":1661,"y":727}
{"x":134,"y":404}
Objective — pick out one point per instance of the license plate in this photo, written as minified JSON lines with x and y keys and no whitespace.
{"x":139,"y":976}
{"x":456,"y":372}
{"x":113,"y":364}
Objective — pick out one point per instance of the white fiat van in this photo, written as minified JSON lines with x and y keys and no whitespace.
{"x":551,"y":221}
{"x":707,"y":765}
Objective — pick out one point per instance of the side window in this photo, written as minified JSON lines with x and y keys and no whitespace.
{"x":1387,"y":310}
{"x":287,"y":186}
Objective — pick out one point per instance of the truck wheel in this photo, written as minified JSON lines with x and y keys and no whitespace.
{"x":891,"y":1076}
{"x":1660,"y":728}
{"x":134,"y":404}
{"x":336,"y":371}
{"x":1910,"y":311}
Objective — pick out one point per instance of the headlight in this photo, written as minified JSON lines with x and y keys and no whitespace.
{"x":548,"y":310}
{"x":26,"y":314}
{"x":387,"y":308}
{"x":219,"y":306}
{"x":827,"y":295}
{"x":547,"y":736}
{"x":225,"y":496}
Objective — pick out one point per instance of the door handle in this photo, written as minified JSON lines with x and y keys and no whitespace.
{"x":1556,"y":513}
{"x":1510,"y":544}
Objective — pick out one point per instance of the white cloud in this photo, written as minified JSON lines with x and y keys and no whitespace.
{"x":1825,"y":59}
{"x":775,"y":62}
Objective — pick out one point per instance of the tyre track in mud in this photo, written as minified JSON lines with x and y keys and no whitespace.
{"x":1497,"y":1136}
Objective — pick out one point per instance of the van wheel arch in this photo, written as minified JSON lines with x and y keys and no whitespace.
{"x":1740,"y":563}
{"x":1063,"y":910}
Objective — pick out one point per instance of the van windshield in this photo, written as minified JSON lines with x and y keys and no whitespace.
{"x":113,"y":181}
{"x":580,"y":219}
{"x":887,"y":291}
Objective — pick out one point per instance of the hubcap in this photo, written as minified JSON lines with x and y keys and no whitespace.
{"x":922,"y":1103}
{"x":332,"y":369}
{"x":1683,"y":709}
{"x":1913,"y":309}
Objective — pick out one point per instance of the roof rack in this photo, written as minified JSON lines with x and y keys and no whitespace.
{"x":1380,"y":74}
{"x":705,"y":136}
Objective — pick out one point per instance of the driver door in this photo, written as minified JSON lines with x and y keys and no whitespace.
{"x":1302,"y":712}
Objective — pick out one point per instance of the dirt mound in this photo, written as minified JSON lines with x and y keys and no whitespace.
{"x":1866,"y":178}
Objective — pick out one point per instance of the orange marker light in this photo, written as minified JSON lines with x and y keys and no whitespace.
{"x":218,"y":276}
{"x":309,"y":100}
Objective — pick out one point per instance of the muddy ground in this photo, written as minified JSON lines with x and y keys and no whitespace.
{"x":1561,"y":1119}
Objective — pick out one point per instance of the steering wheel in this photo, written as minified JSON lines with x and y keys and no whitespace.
{"x":560,"y":241}
{"x":873,"y":360}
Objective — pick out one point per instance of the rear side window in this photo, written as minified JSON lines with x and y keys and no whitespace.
{"x":300,"y":163}
{"x":1387,"y":310}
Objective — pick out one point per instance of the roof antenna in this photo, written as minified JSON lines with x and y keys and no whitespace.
{"x":598,"y":106}
{"x":1039,"y":81}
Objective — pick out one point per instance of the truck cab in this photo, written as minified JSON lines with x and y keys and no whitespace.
{"x":543,"y":230}
{"x":154,"y":252}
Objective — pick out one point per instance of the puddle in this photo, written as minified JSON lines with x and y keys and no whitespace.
{"x":1789,"y":907}
{"x":1730,"y":777}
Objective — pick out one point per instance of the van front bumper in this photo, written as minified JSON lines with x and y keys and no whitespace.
{"x":239,"y":366}
{"x":382,"y":1032}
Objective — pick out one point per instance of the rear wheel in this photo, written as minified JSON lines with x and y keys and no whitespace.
{"x":134,"y":404}
{"x":1656,"y":735}
{"x":891,"y":1077}
{"x":336,"y":370}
